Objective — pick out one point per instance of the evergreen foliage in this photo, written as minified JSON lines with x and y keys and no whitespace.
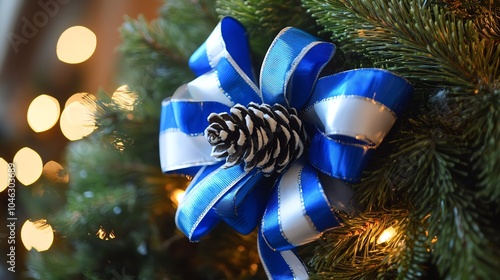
{"x":118,"y":218}
{"x":436,"y":161}
{"x":435,"y":179}
{"x":263,"y":20}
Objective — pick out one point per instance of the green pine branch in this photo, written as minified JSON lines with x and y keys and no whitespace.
{"x":414,"y":259}
{"x":484,"y":13}
{"x":155,"y":53}
{"x":484,"y":133}
{"x":119,"y":213}
{"x":423,"y":43}
{"x":444,"y":160}
{"x":440,"y":188}
{"x":353,"y":251}
{"x":434,"y":179}
{"x":263,"y":20}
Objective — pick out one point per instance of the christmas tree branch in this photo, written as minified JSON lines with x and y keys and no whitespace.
{"x":484,"y":13}
{"x":438,"y":189}
{"x":445,"y":160}
{"x":264,"y":19}
{"x":424,"y":44}
{"x":358,"y":249}
{"x":484,"y":133}
{"x":161,"y":48}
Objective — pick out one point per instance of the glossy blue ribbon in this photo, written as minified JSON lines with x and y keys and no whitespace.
{"x":347,"y":115}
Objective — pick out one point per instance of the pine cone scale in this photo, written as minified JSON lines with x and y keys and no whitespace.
{"x":260,"y":136}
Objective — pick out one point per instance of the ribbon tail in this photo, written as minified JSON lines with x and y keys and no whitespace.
{"x":195,"y":216}
{"x":299,"y":210}
{"x":280,"y":265}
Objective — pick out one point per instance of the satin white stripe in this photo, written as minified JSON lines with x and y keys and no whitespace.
{"x":295,"y":225}
{"x":207,"y":88}
{"x":351,"y":115}
{"x":297,"y":267}
{"x":216,"y":48}
{"x":195,"y":150}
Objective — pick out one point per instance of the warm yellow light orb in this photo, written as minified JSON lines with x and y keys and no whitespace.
{"x":37,"y":235}
{"x":43,"y":113}
{"x":176,"y":196}
{"x":79,"y":97}
{"x":77,"y":121}
{"x":125,"y":98}
{"x":4,"y":174}
{"x":386,"y":235}
{"x":54,"y":172}
{"x":76,"y":44}
{"x":28,"y":166}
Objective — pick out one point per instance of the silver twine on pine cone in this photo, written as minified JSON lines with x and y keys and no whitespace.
{"x":262,"y":136}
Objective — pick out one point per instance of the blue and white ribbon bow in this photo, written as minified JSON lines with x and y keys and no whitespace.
{"x":349,"y":114}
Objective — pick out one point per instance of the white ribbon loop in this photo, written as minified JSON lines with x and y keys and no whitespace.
{"x":355,"y":116}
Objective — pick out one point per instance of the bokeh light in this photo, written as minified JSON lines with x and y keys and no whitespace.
{"x":37,"y":235}
{"x":104,"y":235}
{"x":176,"y":196}
{"x":125,"y":98}
{"x":4,"y":174}
{"x":28,"y":166}
{"x":77,"y":121}
{"x":55,"y":173}
{"x":43,"y":113}
{"x":79,"y":97}
{"x":76,"y":44}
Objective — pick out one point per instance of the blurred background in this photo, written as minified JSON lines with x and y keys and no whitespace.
{"x":52,"y":52}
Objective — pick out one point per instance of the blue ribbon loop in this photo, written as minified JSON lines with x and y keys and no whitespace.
{"x":292,"y":65}
{"x":187,"y":116}
{"x":347,"y":116}
{"x":230,"y":40}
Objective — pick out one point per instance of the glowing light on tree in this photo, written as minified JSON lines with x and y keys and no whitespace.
{"x":43,"y":113}
{"x":54,"y":172}
{"x":29,"y":166}
{"x":4,"y":175}
{"x":37,"y":235}
{"x":76,"y":44}
{"x":79,"y":97}
{"x":386,"y":235}
{"x":176,"y":196}
{"x":77,"y":121}
{"x":125,"y":98}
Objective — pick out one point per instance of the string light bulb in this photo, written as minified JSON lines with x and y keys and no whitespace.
{"x":386,"y":235}
{"x":176,"y":196}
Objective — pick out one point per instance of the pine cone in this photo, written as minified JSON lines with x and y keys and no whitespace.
{"x":270,"y":138}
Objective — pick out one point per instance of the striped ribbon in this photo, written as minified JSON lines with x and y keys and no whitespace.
{"x":347,"y":115}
